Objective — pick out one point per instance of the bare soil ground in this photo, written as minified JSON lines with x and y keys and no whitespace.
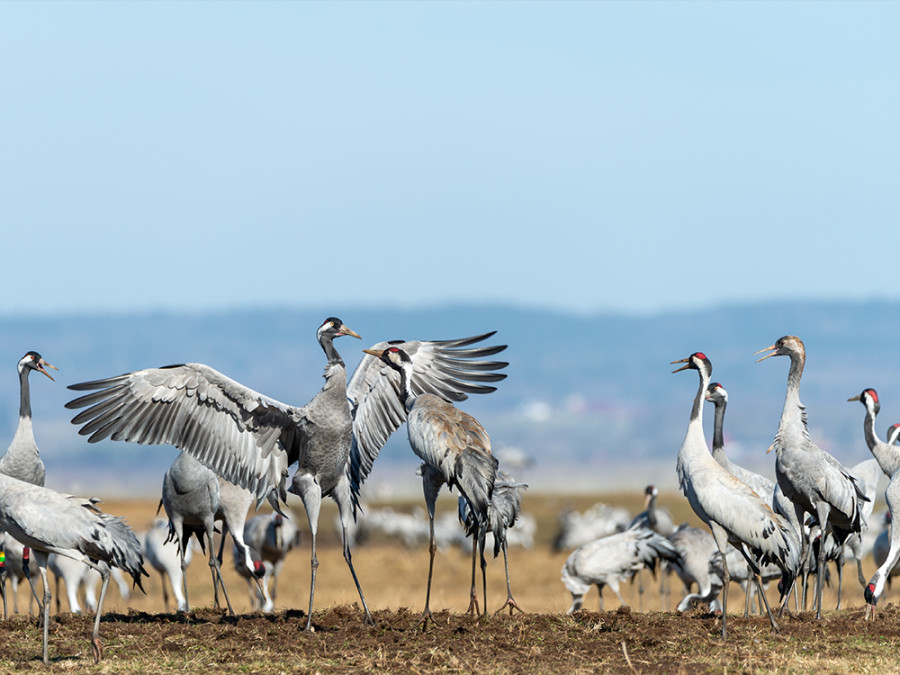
{"x":139,"y":635}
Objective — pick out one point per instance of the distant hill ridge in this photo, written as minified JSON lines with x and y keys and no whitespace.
{"x":590,"y":398}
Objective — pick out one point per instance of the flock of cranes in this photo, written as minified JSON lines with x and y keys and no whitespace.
{"x":238,"y":445}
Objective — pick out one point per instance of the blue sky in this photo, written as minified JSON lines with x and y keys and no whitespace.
{"x":605,"y":156}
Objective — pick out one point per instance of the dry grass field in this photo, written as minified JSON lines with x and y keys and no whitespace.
{"x":139,"y":637}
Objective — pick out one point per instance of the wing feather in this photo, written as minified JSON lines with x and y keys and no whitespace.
{"x":245,"y":437}
{"x":451,"y":369}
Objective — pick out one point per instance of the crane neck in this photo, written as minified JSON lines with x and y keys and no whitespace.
{"x":24,"y":394}
{"x":327,"y":342}
{"x":719,"y":426}
{"x":697,"y":409}
{"x":406,"y":392}
{"x":887,"y":456}
{"x":794,"y":412}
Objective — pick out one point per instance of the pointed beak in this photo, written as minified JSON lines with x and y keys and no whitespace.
{"x":40,"y":367}
{"x":770,"y":448}
{"x":855,"y":398}
{"x":343,"y":330}
{"x":374,"y":352}
{"x":685,"y":367}
{"x":771,"y":348}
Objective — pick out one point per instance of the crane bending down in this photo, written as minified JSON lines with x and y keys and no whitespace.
{"x":251,"y":440}
{"x":609,"y":560}
{"x":50,"y":522}
{"x":812,"y":479}
{"x":734,"y":513}
{"x":454,"y":447}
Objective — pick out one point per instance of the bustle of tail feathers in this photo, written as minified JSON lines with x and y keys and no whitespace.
{"x":125,"y":550}
{"x":474,"y":477}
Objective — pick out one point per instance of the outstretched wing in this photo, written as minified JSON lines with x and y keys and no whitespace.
{"x":245,"y":437}
{"x":450,"y":369}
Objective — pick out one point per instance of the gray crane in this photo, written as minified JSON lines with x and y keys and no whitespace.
{"x":250,"y":439}
{"x":718,"y":396}
{"x":660,"y":522}
{"x":22,"y":460}
{"x":164,"y":555}
{"x":271,"y":536}
{"x":888,"y":457}
{"x":503,"y":511}
{"x":695,"y":548}
{"x":733,"y":512}
{"x":454,"y":447}
{"x":812,"y":479}
{"x":875,"y":587}
{"x":194,"y":498}
{"x":610,"y":560}
{"x":50,"y":522}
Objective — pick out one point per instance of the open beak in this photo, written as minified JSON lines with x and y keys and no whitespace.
{"x":771,"y":348}
{"x":343,"y":330}
{"x":40,"y":367}
{"x":685,"y":367}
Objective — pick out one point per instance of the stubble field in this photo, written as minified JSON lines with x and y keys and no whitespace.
{"x":140,"y":636}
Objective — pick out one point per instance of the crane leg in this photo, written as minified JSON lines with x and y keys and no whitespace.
{"x":214,"y":566}
{"x":42,"y":567}
{"x":345,"y":512}
{"x":483,"y":573}
{"x":510,"y":601}
{"x":822,"y":511}
{"x":311,"y":496}
{"x":473,"y":594}
{"x":840,"y":571}
{"x":96,"y":647}
{"x":3,"y":580}
{"x":184,"y":588}
{"x":432,"y":548}
{"x":26,"y":568}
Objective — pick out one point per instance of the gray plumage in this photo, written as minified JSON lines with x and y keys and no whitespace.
{"x":887,"y":456}
{"x":49,"y":522}
{"x":164,"y":555}
{"x":271,"y":537}
{"x":653,"y":517}
{"x":875,"y":587}
{"x":695,"y":548}
{"x":250,"y":439}
{"x":610,"y":560}
{"x":812,"y":479}
{"x":734,"y":513}
{"x":765,"y":488}
{"x":454,"y":447}
{"x":503,"y":512}
{"x":22,"y":459}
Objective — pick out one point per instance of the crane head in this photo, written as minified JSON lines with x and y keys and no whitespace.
{"x":35,"y":361}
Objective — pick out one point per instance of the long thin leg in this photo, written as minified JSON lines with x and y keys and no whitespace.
{"x":96,"y":647}
{"x":184,"y":589}
{"x":840,"y":570}
{"x":822,"y":510}
{"x":761,"y":594}
{"x":214,"y":565}
{"x":344,"y":510}
{"x":3,"y":579}
{"x":432,"y":548}
{"x":26,"y":568}
{"x":42,"y":568}
{"x":432,"y":480}
{"x":311,"y":495}
{"x":510,"y":601}
{"x":473,"y":594}
{"x":483,"y":569}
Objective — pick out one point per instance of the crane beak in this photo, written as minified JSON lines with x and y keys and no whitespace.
{"x":770,"y":448}
{"x":40,"y":367}
{"x":343,"y":330}
{"x":374,"y":352}
{"x":685,"y":367}
{"x":771,"y":348}
{"x":855,"y":398}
